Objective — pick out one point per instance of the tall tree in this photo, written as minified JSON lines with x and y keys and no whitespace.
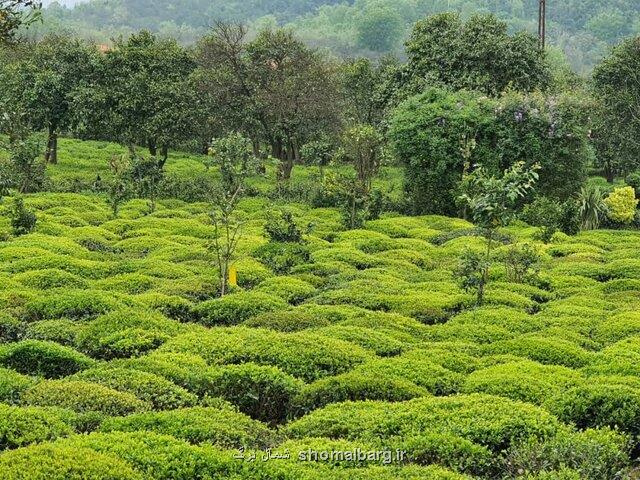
{"x":142,"y":95}
{"x":15,"y":14}
{"x":617,"y":89}
{"x":43,"y":83}
{"x":274,"y":89}
{"x":477,"y":55}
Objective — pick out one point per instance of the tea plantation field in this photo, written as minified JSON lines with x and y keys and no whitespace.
{"x":118,"y":361}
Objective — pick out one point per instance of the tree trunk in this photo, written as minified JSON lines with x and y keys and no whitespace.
{"x":164,"y":152}
{"x":51,"y":155}
{"x":608,"y":171}
{"x":153,"y":149}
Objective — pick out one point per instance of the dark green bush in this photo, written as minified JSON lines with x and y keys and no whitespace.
{"x":282,"y":258}
{"x":591,"y":454}
{"x":83,"y":397}
{"x":160,"y":392}
{"x":236,"y":308}
{"x":222,"y":427}
{"x":262,"y":392}
{"x":58,"y":462}
{"x":23,"y":220}
{"x":35,"y":357}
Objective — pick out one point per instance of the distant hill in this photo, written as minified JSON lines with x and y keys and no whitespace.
{"x":583,"y":29}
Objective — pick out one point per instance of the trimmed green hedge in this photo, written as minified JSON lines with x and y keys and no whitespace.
{"x":21,"y":426}
{"x":35,"y":357}
{"x":236,"y":308}
{"x":223,"y":427}
{"x":262,"y":392}
{"x":83,"y":397}
{"x":304,"y":355}
{"x":59,"y":462}
{"x":494,"y":422}
{"x":158,"y":391}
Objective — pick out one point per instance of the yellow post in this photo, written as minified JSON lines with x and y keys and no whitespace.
{"x":233,"y":276}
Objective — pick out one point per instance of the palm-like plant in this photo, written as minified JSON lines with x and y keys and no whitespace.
{"x":592,"y":207}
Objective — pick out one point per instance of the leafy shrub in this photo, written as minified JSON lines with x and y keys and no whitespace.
{"x":281,"y":227}
{"x":57,"y":462}
{"x":50,"y":278}
{"x":158,"y":391}
{"x":304,"y":355}
{"x":126,"y":333}
{"x":236,"y":308}
{"x":63,"y":332}
{"x":83,"y":397}
{"x":11,"y":329}
{"x":379,"y":342}
{"x":599,"y":405}
{"x":74,"y":304}
{"x":287,"y":320}
{"x":161,"y":457}
{"x":48,"y":359}
{"x":23,"y":220}
{"x":262,"y":392}
{"x":281,"y":257}
{"x":290,"y":289}
{"x":421,"y":371}
{"x":21,"y":426}
{"x":354,"y":386}
{"x":591,"y":454}
{"x":525,"y":380}
{"x":12,"y":385}
{"x":621,"y":205}
{"x":222,"y":427}
{"x":493,"y":422}
{"x":544,"y":350}
{"x":188,"y":371}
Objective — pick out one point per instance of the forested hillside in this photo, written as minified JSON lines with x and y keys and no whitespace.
{"x":582,"y":28}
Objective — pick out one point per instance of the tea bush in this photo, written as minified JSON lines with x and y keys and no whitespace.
{"x":83,"y":397}
{"x":222,"y":427}
{"x":35,"y":357}
{"x":159,"y":392}
{"x":21,"y":426}
{"x":235,"y":308}
{"x":262,"y":392}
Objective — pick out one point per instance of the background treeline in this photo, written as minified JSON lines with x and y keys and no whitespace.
{"x":470,"y":94}
{"x":582,"y":29}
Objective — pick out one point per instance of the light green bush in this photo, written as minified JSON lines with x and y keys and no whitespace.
{"x":126,"y":333}
{"x":356,"y":385}
{"x":12,"y":385}
{"x":222,"y":427}
{"x":304,"y":355}
{"x":158,"y":391}
{"x":63,"y":332}
{"x":57,"y":462}
{"x":236,"y":308}
{"x":292,"y":290}
{"x":83,"y":397}
{"x":74,"y":304}
{"x":493,"y":422}
{"x":21,"y":426}
{"x":293,"y":320}
{"x":379,"y":342}
{"x":621,"y":205}
{"x":51,"y":278}
{"x":544,"y":350}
